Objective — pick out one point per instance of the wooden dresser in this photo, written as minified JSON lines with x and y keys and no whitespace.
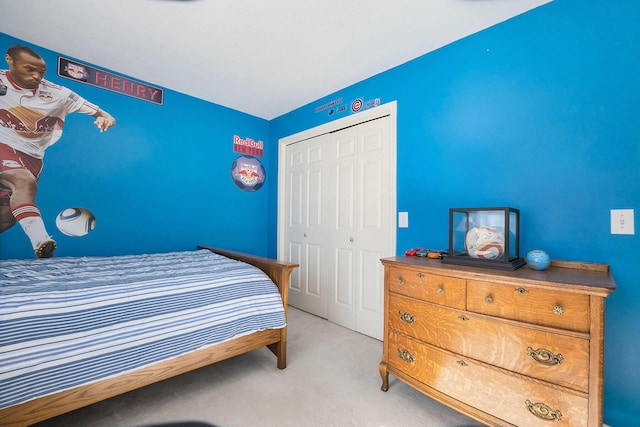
{"x":507,"y":348}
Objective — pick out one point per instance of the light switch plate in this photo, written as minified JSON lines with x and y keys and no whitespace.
{"x":622,"y":221}
{"x":403,"y":219}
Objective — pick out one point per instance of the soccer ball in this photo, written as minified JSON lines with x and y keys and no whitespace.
{"x":484,"y":242}
{"x":75,"y":222}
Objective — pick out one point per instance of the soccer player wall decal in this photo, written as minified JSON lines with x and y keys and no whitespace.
{"x":32,"y":113}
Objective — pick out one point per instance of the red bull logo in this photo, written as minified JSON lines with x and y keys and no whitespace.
{"x":248,"y":146}
{"x":28,"y":127}
{"x":248,"y":173}
{"x":76,"y":71}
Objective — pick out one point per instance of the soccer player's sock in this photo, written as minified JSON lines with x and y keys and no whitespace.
{"x":28,"y":216}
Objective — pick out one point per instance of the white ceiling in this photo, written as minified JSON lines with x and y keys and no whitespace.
{"x":261,"y":57}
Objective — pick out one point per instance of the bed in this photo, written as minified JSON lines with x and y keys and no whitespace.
{"x":74,"y":331}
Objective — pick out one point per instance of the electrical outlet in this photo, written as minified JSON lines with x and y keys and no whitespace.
{"x":622,"y":221}
{"x":403,"y":219}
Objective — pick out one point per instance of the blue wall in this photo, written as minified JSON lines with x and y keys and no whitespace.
{"x":539,"y":113}
{"x":158,"y":181}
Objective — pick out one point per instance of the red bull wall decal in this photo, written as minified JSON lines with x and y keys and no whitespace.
{"x":87,"y":74}
{"x":248,"y":146}
{"x":248,"y":173}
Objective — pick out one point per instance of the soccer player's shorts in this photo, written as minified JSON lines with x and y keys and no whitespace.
{"x":11,"y":159}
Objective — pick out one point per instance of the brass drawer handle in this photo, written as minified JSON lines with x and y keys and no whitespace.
{"x":543,"y":412}
{"x":463,"y":318}
{"x":558,"y":310}
{"x":400,"y":281}
{"x":406,"y":356}
{"x":420,"y":275}
{"x":440,"y":290}
{"x":488,"y":299}
{"x":544,"y":356}
{"x":522,"y":291}
{"x":462,"y":363}
{"x":407,"y":317}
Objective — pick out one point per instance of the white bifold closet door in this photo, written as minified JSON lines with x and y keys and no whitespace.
{"x":340,"y":220}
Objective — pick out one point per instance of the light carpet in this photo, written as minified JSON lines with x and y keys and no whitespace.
{"x":331,"y":379}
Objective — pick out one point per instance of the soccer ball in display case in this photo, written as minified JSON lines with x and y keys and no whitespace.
{"x":485,"y":237}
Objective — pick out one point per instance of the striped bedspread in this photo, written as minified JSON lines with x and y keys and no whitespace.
{"x":65,"y":322}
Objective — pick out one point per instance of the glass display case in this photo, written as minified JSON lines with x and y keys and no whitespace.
{"x":485,"y":237}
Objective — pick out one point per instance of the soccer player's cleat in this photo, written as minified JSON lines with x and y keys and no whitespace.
{"x":45,"y":249}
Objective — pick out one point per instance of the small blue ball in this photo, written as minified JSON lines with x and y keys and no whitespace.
{"x":538,"y":260}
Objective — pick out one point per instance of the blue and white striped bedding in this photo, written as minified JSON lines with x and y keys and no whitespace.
{"x":65,"y":322}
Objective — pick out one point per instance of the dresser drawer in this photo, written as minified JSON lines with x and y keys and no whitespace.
{"x":449,"y":291}
{"x":555,"y":357}
{"x":533,"y":305}
{"x":513,"y":398}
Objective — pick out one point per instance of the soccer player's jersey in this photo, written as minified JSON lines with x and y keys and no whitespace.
{"x":32,"y":120}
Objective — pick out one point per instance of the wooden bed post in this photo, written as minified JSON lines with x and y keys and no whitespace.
{"x":279,"y":272}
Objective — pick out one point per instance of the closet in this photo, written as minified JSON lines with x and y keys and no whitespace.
{"x":338,"y":221}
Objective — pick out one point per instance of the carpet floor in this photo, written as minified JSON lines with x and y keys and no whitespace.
{"x":331,"y":379}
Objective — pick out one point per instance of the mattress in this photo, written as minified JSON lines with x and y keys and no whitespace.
{"x":66,"y":322}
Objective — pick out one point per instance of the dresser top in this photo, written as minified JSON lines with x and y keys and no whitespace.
{"x":568,"y":275}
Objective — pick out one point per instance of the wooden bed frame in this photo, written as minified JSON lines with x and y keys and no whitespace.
{"x":59,"y":403}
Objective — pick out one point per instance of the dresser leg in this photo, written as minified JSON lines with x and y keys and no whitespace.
{"x":382,"y":368}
